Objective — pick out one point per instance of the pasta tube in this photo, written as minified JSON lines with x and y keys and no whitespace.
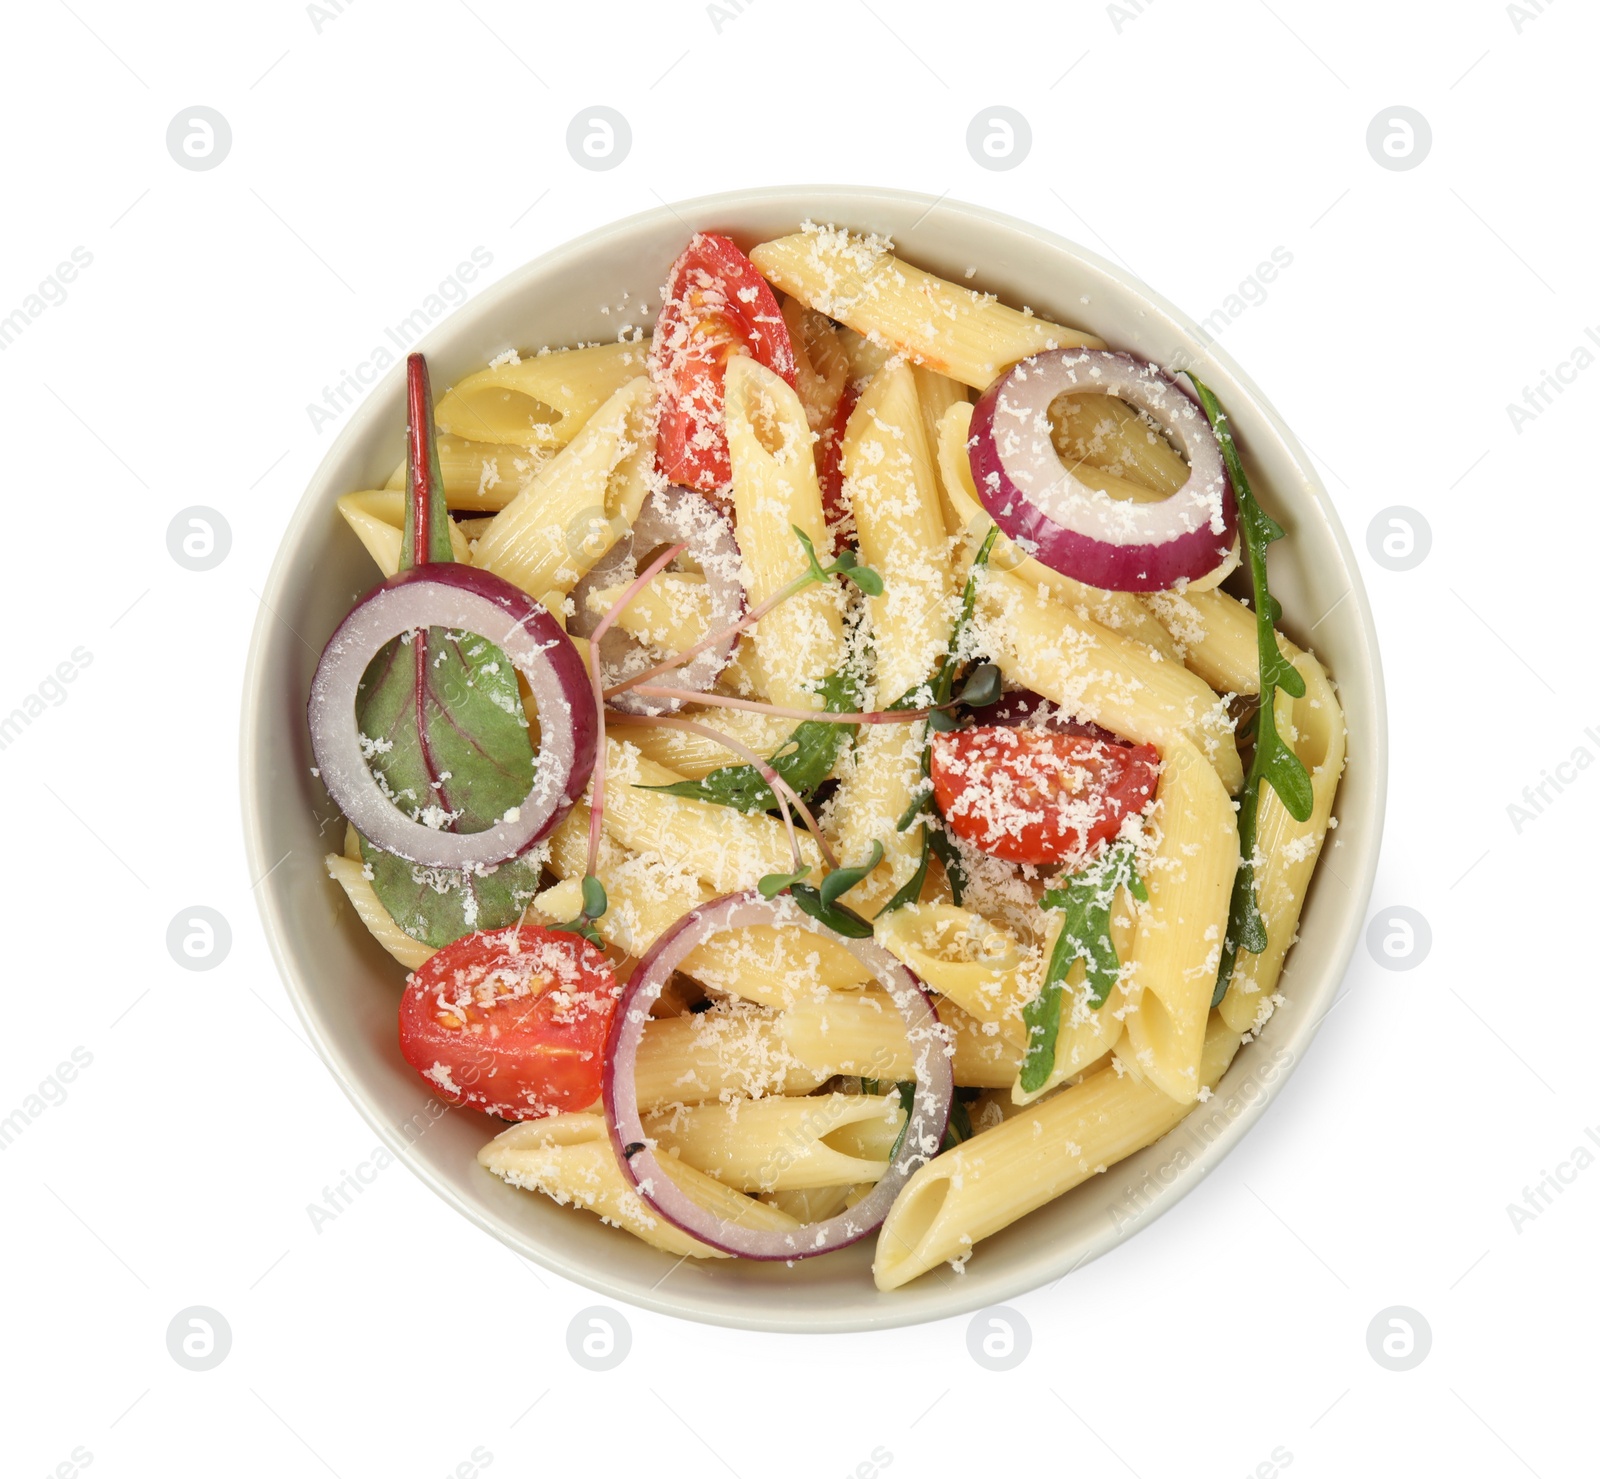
{"x":860,"y":1033}
{"x":542,"y":401}
{"x":569,"y":1158}
{"x":550,"y":535}
{"x":775,"y":492}
{"x":968,"y":336}
{"x":480,"y":476}
{"x":988,"y":1182}
{"x":378,"y":518}
{"x":890,"y":484}
{"x":783,"y":1144}
{"x":1176,"y":951}
{"x":1099,"y":676}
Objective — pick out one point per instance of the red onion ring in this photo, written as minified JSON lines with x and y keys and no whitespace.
{"x":930,"y":1107}
{"x":1077,"y":530}
{"x":460,"y":598}
{"x":670,"y":515}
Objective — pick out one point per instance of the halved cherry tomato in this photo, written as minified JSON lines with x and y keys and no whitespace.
{"x":717,"y":305}
{"x":512,"y":1022}
{"x":1034,"y":796}
{"x":830,"y":457}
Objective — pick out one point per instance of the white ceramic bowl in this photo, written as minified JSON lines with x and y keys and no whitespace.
{"x":346,"y":988}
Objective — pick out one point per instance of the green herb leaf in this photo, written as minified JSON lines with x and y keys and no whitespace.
{"x":910,"y":891}
{"x":960,"y":1126}
{"x":805,"y":760}
{"x":1086,"y":901}
{"x":919,"y":804}
{"x":1273,"y":762}
{"x":839,"y":918}
{"x":594,"y":896}
{"x":864,"y":576}
{"x":908,"y":1099}
{"x":945,"y":850}
{"x":770,"y":885}
{"x":982,"y":686}
{"x":449,"y":740}
{"x":842,"y":880}
{"x":814,"y":564}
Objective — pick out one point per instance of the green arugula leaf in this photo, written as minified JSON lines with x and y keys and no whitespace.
{"x":841,"y":919}
{"x":449,"y":740}
{"x":805,"y":760}
{"x":1273,"y":762}
{"x":1086,"y":902}
{"x":908,"y":1098}
{"x":842,"y":880}
{"x":945,"y":850}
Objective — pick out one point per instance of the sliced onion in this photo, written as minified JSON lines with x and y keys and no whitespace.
{"x":930,"y":1107}
{"x":458,"y":598}
{"x":1081,"y":531}
{"x":670,"y":515}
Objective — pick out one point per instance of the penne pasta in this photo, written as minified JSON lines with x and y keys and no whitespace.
{"x":1099,"y":676}
{"x":782,"y":1144}
{"x":860,"y":1034}
{"x":729,"y":849}
{"x":378,"y":518}
{"x":775,"y":492}
{"x":1173,"y":972}
{"x":980,"y":965}
{"x":891,"y":489}
{"x":569,"y":1158}
{"x":968,"y":336}
{"x":540,"y":402}
{"x":717,"y":1055}
{"x":550,"y":535}
{"x":1215,"y":636}
{"x":482,"y":477}
{"x":988,"y":1182}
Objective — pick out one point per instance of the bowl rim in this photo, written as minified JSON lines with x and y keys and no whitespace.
{"x":1333,"y":966}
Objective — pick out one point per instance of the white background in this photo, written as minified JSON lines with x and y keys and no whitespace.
{"x":372,"y":154}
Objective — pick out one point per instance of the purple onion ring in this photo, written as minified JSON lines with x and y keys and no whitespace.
{"x":459,"y":598}
{"x":670,"y":515}
{"x":930,"y":1107}
{"x":1105,"y":542}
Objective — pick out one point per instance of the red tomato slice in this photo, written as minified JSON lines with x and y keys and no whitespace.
{"x":512,"y":1022}
{"x":717,"y":305}
{"x":830,"y":458}
{"x":1031,"y":796}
